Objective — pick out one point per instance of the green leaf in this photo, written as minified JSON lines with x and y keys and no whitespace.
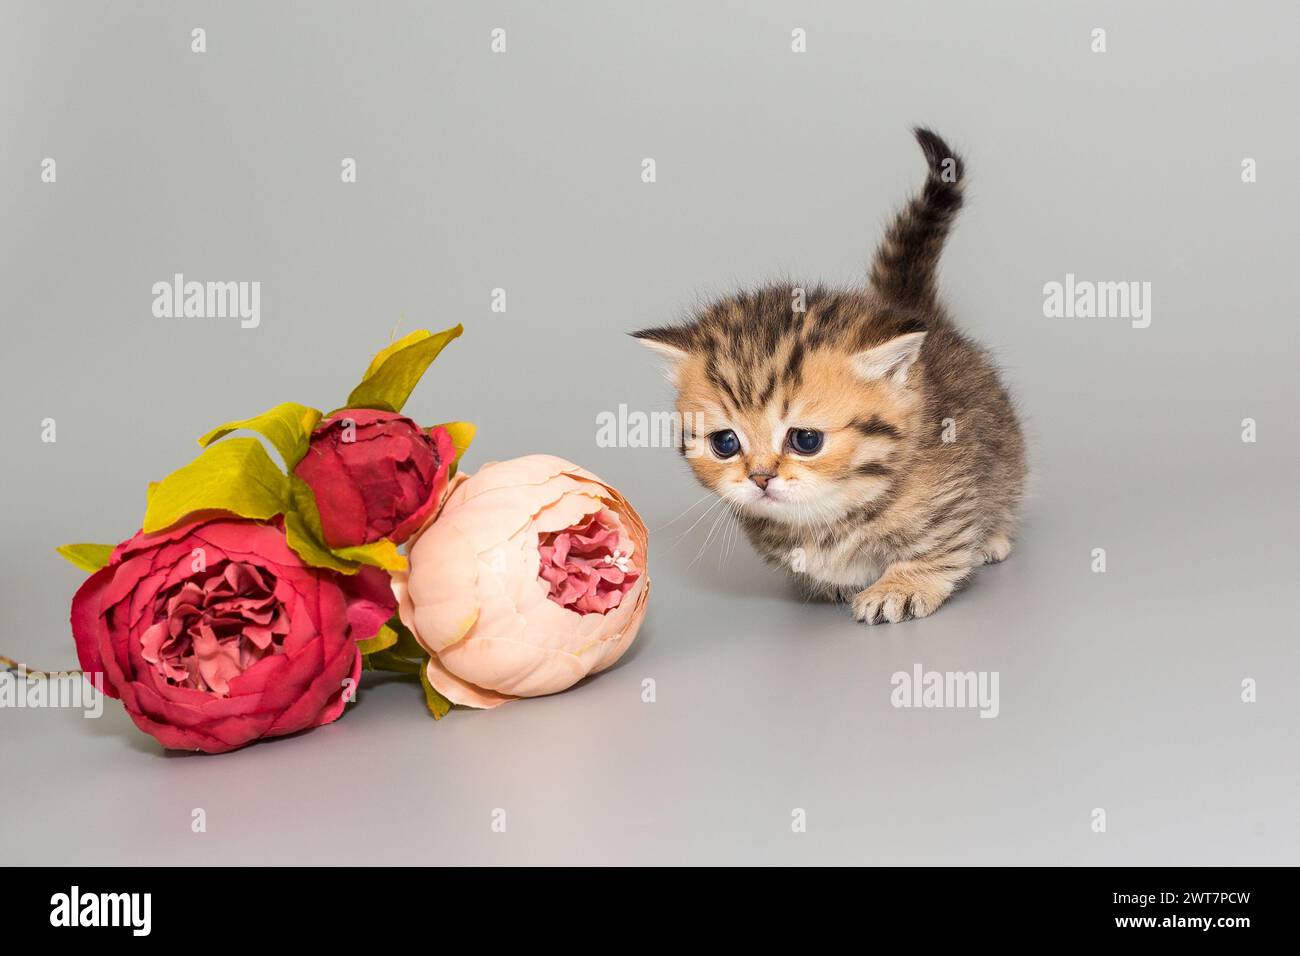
{"x":306,"y":545}
{"x":287,"y":427}
{"x":388,"y":661}
{"x":394,"y":372}
{"x":438,"y":705}
{"x":462,"y":433}
{"x":385,"y":638}
{"x":406,"y":644}
{"x":237,"y":476}
{"x":381,"y":554}
{"x":302,"y":529}
{"x":393,"y":348}
{"x":88,"y":557}
{"x":404,"y":655}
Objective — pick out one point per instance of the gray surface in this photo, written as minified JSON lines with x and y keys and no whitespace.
{"x":1118,"y":691}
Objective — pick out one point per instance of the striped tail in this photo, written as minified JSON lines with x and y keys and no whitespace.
{"x":908,"y":257}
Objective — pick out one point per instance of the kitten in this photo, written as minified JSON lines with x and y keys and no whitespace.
{"x":864,"y":442}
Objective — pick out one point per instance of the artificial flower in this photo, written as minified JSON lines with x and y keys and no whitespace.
{"x":375,"y":475}
{"x":214,"y":633}
{"x":532,"y":576}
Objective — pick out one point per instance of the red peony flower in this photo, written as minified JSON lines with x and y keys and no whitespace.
{"x":215,"y":634}
{"x":375,"y":475}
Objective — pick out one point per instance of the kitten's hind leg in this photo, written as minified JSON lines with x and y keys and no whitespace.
{"x":914,"y":588}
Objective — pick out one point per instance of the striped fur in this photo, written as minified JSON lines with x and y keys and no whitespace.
{"x":920,"y":476}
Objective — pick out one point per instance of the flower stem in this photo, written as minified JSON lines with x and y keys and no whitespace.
{"x":18,"y":667}
{"x":388,"y":661}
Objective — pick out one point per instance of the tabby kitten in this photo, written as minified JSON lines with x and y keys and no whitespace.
{"x":864,"y":442}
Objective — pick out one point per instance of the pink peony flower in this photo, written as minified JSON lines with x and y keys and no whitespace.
{"x":584,"y":566}
{"x":532,"y":577}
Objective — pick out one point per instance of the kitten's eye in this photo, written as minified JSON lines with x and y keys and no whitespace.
{"x":725,"y":443}
{"x":806,"y":441}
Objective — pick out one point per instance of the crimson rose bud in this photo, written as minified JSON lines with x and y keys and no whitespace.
{"x":375,"y":475}
{"x":215,"y":634}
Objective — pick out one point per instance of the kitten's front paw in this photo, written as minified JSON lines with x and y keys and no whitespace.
{"x":885,"y":602}
{"x":995,"y":549}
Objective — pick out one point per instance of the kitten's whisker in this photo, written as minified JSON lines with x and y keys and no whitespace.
{"x":724,"y":541}
{"x":681,"y":537}
{"x":691,"y":508}
{"x":709,"y":537}
{"x":735,"y":530}
{"x":727,"y":512}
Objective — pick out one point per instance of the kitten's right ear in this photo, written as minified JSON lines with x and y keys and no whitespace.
{"x":671,"y":343}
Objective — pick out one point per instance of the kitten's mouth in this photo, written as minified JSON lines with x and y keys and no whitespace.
{"x":768,"y":501}
{"x":766,"y":496}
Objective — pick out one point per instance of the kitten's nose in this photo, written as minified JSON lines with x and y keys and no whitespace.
{"x":761,"y":478}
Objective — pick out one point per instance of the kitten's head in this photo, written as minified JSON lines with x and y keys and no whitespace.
{"x":795,"y":416}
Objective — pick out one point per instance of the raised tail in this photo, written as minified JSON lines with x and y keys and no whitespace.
{"x":905,"y":264}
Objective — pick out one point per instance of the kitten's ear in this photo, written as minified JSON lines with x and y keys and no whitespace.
{"x":891,"y":360}
{"x":671,"y":343}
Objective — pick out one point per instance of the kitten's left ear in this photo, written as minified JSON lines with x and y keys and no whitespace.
{"x":891,"y":360}
{"x":672,"y":343}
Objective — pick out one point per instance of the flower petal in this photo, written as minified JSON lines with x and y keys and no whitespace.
{"x":459,"y":691}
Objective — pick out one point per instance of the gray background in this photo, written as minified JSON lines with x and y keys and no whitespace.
{"x":1118,"y":690}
